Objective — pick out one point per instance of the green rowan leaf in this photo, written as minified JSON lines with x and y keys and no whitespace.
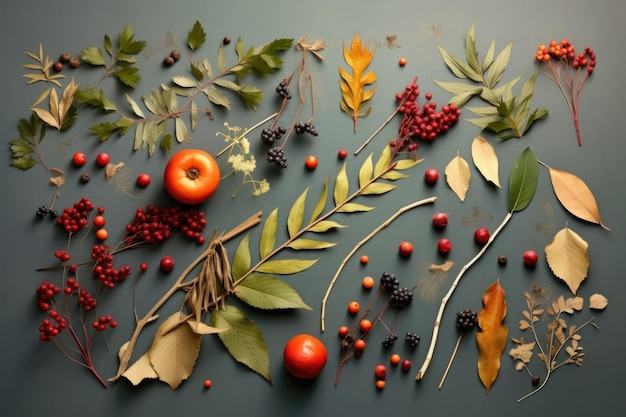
{"x":310,"y":244}
{"x":321,"y":202}
{"x":243,"y":340}
{"x":251,"y":96}
{"x":241,"y":259}
{"x":268,"y":293}
{"x":182,"y":133}
{"x":134,"y":106}
{"x":221,"y":58}
{"x":196,"y":36}
{"x":166,"y":143}
{"x":341,"y":186}
{"x":286,"y":266}
{"x":215,"y":96}
{"x":537,"y":114}
{"x":470,"y":49}
{"x":127,"y":75}
{"x":94,"y":97}
{"x":523,"y":180}
{"x":268,"y":234}
{"x":489,"y":56}
{"x":325,"y":226}
{"x":296,"y":214}
{"x":459,"y":88}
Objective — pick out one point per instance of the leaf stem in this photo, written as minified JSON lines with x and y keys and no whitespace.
{"x":360,"y":244}
{"x":429,"y":355}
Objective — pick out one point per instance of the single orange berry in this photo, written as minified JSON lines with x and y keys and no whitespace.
{"x":395,"y":359}
{"x":102,"y":234}
{"x":368,"y":282}
{"x":359,"y":344}
{"x":353,"y":307}
{"x":365,"y":325}
{"x":207,"y":383}
{"x":344,"y":331}
{"x":402,"y":61}
{"x":310,"y":162}
{"x":380,"y":383}
{"x":364,"y":259}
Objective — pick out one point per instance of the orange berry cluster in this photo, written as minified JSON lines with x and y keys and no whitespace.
{"x":566,"y":52}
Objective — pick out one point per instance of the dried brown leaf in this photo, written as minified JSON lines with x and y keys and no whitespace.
{"x":444,"y":267}
{"x":598,"y":302}
{"x":485,"y":159}
{"x":523,"y":352}
{"x":568,"y":258}
{"x":458,"y":176}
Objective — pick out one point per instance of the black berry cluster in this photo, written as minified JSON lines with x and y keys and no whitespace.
{"x":305,"y":127}
{"x":269,"y":136}
{"x":389,"y":281}
{"x":283,"y":90}
{"x":412,"y":339}
{"x":466,"y":319}
{"x":277,"y":157}
{"x":43,"y":211}
{"x":400,"y":297}
{"x":389,"y":340}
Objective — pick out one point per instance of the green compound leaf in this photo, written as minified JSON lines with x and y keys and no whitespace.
{"x":196,"y":36}
{"x":523,"y":181}
{"x":243,"y":340}
{"x":499,"y":66}
{"x":269,"y":293}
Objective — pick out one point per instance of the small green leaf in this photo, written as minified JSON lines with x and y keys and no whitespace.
{"x":182,"y":133}
{"x":523,"y":180}
{"x":251,"y":96}
{"x":268,"y":234}
{"x":321,"y":202}
{"x":470,"y":49}
{"x":241,"y":259}
{"x":354,"y":207}
{"x":296,"y":214}
{"x":196,"y":72}
{"x":378,"y":188}
{"x":127,"y":76}
{"x":311,"y":244}
{"x":286,"y":266}
{"x":268,"y":293}
{"x":483,"y":110}
{"x":196,"y":36}
{"x":341,"y":186}
{"x":166,"y":143}
{"x":499,"y":66}
{"x":133,"y":104}
{"x":325,"y":226}
{"x":93,"y":55}
{"x":366,"y":171}
{"x":383,"y":161}
{"x":489,"y":55}
{"x":537,"y":114}
{"x":183,"y":81}
{"x":221,"y":58}
{"x":215,"y":96}
{"x":459,"y":88}
{"x":243,"y":340}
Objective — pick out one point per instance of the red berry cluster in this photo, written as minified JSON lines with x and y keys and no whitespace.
{"x":103,"y":322}
{"x":566,"y":52}
{"x":51,"y":328}
{"x":422,"y":122}
{"x":86,"y":300}
{"x":45,"y":292}
{"x":75,"y":218}
{"x":104,"y":269}
{"x":62,"y":255}
{"x":155,"y":224}
{"x":72,"y":285}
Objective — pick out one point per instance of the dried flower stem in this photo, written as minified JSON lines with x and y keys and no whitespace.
{"x":127,"y":350}
{"x":360,"y":244}
{"x":245,"y":132}
{"x":456,"y":349}
{"x":444,"y":301}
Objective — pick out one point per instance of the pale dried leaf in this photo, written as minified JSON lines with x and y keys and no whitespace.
{"x":111,"y":169}
{"x":444,"y":267}
{"x":523,"y":325}
{"x":568,"y":258}
{"x":523,"y":352}
{"x":458,"y":176}
{"x":58,"y":181}
{"x":485,"y":159}
{"x":140,"y":370}
{"x":519,"y":366}
{"x":598,"y":302}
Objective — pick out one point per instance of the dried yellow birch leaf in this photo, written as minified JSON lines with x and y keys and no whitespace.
{"x":575,"y":196}
{"x":458,"y":176}
{"x":568,"y":258}
{"x":140,"y":370}
{"x":598,"y":302}
{"x":485,"y":159}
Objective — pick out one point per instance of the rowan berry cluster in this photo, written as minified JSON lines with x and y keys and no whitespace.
{"x":565,"y":51}
{"x":154,"y":224}
{"x":104,"y":270}
{"x":74,"y":218}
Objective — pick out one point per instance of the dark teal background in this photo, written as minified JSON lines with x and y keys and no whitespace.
{"x":36,"y":380}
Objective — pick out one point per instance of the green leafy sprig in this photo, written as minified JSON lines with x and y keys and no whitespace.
{"x":122,"y":57}
{"x":25,"y":150}
{"x":505,"y":114}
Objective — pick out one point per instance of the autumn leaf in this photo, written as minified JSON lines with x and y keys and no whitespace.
{"x":598,"y":302}
{"x":575,"y":196}
{"x":523,"y":352}
{"x":59,"y":110}
{"x":568,"y":258}
{"x":485,"y":159}
{"x":458,"y":176}
{"x":355,"y":98}
{"x":492,"y":338}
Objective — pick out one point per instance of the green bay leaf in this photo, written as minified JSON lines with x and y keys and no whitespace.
{"x":366,"y":171}
{"x":499,"y":66}
{"x":321,"y":202}
{"x":378,"y":188}
{"x":523,"y":180}
{"x":268,"y":293}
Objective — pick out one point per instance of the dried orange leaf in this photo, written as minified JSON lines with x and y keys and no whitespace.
{"x":598,"y":302}
{"x":458,"y":176}
{"x":354,"y":96}
{"x":492,"y":338}
{"x":568,"y":258}
{"x":485,"y":159}
{"x":575,"y":196}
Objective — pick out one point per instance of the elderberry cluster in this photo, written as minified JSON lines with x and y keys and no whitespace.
{"x":398,"y":297}
{"x":74,"y":218}
{"x":43,"y":211}
{"x":269,"y":136}
{"x":283,"y":89}
{"x":389,"y":340}
{"x":466,"y":319}
{"x":305,"y":127}
{"x":412,"y":339}
{"x":277,"y":157}
{"x":155,"y":224}
{"x":104,"y":269}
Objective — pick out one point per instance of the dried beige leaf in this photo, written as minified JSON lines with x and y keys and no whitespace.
{"x":458,"y":176}
{"x":485,"y":159}
{"x":140,"y":370}
{"x":524,"y":352}
{"x":568,"y":258}
{"x":444,"y":267}
{"x":598,"y":302}
{"x":173,"y":354}
{"x":58,"y":181}
{"x":111,"y":169}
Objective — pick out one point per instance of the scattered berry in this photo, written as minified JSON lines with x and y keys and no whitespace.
{"x":74,"y":62}
{"x":143,"y":267}
{"x":343,"y":331}
{"x":502,"y":259}
{"x":167,"y":264}
{"x":311,"y":162}
{"x":175,"y":54}
{"x":359,"y":344}
{"x":57,"y":66}
{"x":380,"y":371}
{"x":342,"y":154}
{"x":208,"y":383}
{"x":368,"y":282}
{"x":85,"y":177}
{"x":405,"y":249}
{"x":431,"y":175}
{"x":143,"y":180}
{"x":530,"y":258}
{"x":380,"y":384}
{"x":402,"y":61}
{"x":226,"y":40}
{"x":102,"y":234}
{"x":536,"y":380}
{"x":365,"y":325}
{"x":65,"y":57}
{"x":168,"y":61}
{"x":79,"y":159}
{"x":444,"y":246}
{"x":353,"y":307}
{"x":99,"y":221}
{"x":440,"y":220}
{"x":405,"y":365}
{"x":364,"y":259}
{"x":395,"y":359}
{"x":481,"y":235}
{"x":102,"y":159}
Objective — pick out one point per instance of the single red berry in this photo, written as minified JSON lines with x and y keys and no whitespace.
{"x":431,"y":175}
{"x":143,"y":180}
{"x":380,"y":371}
{"x":311,"y":162}
{"x":405,"y":365}
{"x":343,"y":331}
{"x":79,"y":159}
{"x":440,"y":220}
{"x":167,"y":264}
{"x":208,"y":383}
{"x":143,"y":266}
{"x":99,"y":221}
{"x":402,"y":61}
{"x":428,"y":96}
{"x":342,"y":154}
{"x":444,"y":246}
{"x":102,"y":159}
{"x":530,"y":258}
{"x":57,"y":66}
{"x":405,"y":249}
{"x":481,"y":235}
